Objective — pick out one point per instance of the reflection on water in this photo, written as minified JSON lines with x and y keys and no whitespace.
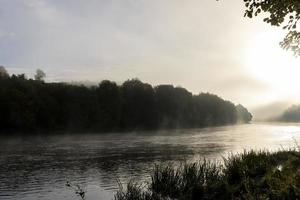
{"x":38,"y":167}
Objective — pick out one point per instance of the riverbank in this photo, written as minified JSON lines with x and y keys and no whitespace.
{"x":250,"y":175}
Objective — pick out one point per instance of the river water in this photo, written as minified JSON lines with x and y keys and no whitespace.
{"x":39,"y":167}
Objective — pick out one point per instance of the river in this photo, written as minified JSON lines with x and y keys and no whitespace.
{"x":39,"y":167}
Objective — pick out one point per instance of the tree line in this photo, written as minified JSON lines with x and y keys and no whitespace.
{"x":292,"y":114}
{"x":32,"y":105}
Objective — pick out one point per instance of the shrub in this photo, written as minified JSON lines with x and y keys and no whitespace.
{"x":249,"y":175}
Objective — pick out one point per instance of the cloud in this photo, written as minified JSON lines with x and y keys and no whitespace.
{"x":195,"y":44}
{"x":243,"y":83}
{"x":43,"y":11}
{"x":103,"y":33}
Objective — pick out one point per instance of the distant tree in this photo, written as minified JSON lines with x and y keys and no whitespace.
{"x":166,"y":104}
{"x":212,"y":110}
{"x":27,"y":106}
{"x":138,"y":105}
{"x":3,"y":72}
{"x":39,"y":75}
{"x":174,"y":106}
{"x":19,"y":77}
{"x":243,"y":114}
{"x":285,"y":13}
{"x":109,"y":102}
{"x":292,"y":114}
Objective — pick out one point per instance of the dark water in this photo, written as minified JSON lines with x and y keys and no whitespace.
{"x":39,"y":167}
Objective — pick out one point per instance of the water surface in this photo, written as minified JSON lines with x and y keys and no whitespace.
{"x":38,"y":167}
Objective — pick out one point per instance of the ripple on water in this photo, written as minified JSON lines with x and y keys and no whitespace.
{"x":38,"y":168}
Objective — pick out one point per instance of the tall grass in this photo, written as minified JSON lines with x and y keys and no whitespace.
{"x":249,"y":175}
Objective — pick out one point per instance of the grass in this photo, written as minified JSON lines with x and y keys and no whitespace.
{"x":249,"y":175}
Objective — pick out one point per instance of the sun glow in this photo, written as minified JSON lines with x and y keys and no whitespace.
{"x":270,"y":64}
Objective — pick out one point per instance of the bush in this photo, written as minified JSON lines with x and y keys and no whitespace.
{"x":250,"y":175}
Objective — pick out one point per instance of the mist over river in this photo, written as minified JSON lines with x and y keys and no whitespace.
{"x":39,"y":167}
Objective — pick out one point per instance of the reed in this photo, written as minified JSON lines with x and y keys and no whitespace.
{"x":249,"y":175}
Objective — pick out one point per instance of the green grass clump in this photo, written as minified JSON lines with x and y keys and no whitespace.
{"x":250,"y":175}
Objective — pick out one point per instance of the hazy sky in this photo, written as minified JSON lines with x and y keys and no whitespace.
{"x":202,"y":45}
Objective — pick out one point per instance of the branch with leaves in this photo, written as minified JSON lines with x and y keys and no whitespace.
{"x":283,"y":13}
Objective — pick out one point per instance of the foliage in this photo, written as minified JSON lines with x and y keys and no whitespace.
{"x":3,"y":72}
{"x":279,"y":13}
{"x":292,"y":114}
{"x":28,"y":105}
{"x":250,"y":175}
{"x":39,"y":75}
{"x":243,"y":115}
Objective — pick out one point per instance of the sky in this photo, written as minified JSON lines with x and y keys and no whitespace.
{"x":203,"y":46}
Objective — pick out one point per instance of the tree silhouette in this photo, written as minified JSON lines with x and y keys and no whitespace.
{"x":3,"y":72}
{"x":39,"y":75}
{"x":109,"y":105}
{"x":243,"y":115}
{"x":28,"y":105}
{"x":292,"y":114}
{"x":285,"y":13}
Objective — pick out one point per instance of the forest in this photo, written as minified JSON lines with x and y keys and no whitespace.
{"x":292,"y":114}
{"x":36,"y":106}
